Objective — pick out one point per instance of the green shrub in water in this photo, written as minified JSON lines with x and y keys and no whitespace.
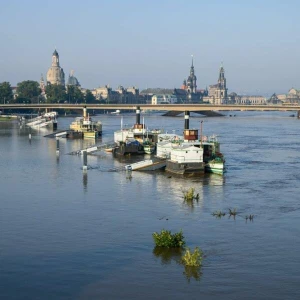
{"x":190,"y":195}
{"x":192,"y":259}
{"x":166,"y":239}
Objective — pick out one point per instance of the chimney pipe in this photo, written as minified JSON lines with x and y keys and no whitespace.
{"x":138,"y":115}
{"x":186,"y":119}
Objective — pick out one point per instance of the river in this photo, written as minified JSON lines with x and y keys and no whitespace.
{"x":66,"y":235}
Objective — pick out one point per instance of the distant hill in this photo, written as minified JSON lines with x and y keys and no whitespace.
{"x":157,"y":91}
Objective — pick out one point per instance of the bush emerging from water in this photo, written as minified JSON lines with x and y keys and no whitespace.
{"x":192,"y":259}
{"x":168,"y":240}
{"x":190,"y":195}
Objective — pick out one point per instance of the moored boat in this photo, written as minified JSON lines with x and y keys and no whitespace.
{"x":86,"y":127}
{"x":149,"y":148}
{"x":135,"y":140}
{"x":213,"y":158}
{"x":186,"y":158}
{"x":189,"y":154}
{"x":46,"y":120}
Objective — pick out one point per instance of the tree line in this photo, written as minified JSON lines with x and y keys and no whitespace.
{"x":29,"y":91}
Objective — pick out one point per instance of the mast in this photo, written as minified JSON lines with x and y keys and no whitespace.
{"x":201,"y":133}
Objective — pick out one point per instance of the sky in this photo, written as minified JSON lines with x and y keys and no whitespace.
{"x":149,"y":43}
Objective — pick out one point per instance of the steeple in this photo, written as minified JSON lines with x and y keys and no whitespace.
{"x":192,"y":72}
{"x":55,"y":59}
{"x":222,"y":79}
{"x":42,"y":84}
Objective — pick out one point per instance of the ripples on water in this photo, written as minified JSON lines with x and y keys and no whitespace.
{"x":65,"y":235}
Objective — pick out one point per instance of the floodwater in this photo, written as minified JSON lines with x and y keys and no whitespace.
{"x":69,"y":235}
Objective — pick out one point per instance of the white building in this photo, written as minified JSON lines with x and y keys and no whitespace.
{"x":163,"y":99}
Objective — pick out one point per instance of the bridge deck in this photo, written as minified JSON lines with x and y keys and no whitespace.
{"x":169,"y":107}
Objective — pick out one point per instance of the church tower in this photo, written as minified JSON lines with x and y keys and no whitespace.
{"x":192,"y":80}
{"x":55,"y":74}
{"x":42,"y":84}
{"x":222,"y":84}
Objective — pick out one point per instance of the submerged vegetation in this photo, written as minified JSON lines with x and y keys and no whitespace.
{"x":168,"y":240}
{"x":190,"y":195}
{"x":218,"y":214}
{"x":170,"y":247}
{"x":192,"y":259}
{"x":232,"y":213}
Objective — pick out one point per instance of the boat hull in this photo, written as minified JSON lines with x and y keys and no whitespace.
{"x":188,"y":169}
{"x":216,"y":168}
{"x":128,"y":149}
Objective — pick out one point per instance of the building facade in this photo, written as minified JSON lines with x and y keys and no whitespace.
{"x":217,"y":93}
{"x":121,"y":95}
{"x":163,"y":99}
{"x":55,"y":74}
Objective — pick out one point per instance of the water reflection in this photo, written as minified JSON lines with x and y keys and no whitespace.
{"x":167,"y":255}
{"x":192,"y":272}
{"x":85,"y":180}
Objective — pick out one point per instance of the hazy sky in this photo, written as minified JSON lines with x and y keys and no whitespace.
{"x":148,"y":43}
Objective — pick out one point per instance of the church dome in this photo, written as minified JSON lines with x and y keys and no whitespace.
{"x":55,"y":74}
{"x":73,"y":81}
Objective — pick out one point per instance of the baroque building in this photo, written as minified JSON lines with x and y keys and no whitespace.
{"x":217,"y":93}
{"x":188,"y":91}
{"x":190,"y":85}
{"x":55,"y":74}
{"x":72,"y":80}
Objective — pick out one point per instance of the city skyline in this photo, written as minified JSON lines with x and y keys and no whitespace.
{"x":149,"y":44}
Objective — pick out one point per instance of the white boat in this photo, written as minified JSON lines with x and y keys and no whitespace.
{"x":173,"y":146}
{"x":45,"y":120}
{"x":186,"y":158}
{"x":117,"y":112}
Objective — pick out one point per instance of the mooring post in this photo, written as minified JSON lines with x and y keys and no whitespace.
{"x":84,"y":168}
{"x":201,"y":122}
{"x":128,"y":173}
{"x":57,"y":145}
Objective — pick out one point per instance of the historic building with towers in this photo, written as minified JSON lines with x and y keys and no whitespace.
{"x":217,"y":93}
{"x":188,"y":91}
{"x":55,"y":74}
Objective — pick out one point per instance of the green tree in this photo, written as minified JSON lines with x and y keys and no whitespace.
{"x":55,"y":93}
{"x":74,"y":94}
{"x":28,"y":89}
{"x":6,"y":94}
{"x":89,"y":97}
